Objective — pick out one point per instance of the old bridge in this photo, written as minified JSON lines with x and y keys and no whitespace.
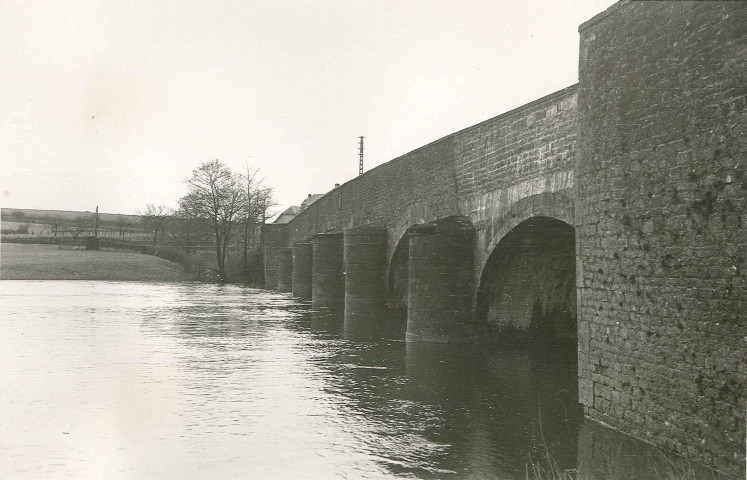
{"x":610,"y":213}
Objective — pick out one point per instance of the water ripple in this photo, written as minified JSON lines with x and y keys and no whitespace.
{"x":123,"y":380}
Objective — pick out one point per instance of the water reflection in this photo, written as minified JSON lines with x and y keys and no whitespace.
{"x":466,"y":411}
{"x":327,"y":321}
{"x":122,"y":380}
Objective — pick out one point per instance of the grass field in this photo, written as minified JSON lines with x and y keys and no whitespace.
{"x":47,"y":262}
{"x":68,"y":215}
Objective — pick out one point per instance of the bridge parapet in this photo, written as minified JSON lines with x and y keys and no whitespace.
{"x":424,"y":176}
{"x":480,"y":171}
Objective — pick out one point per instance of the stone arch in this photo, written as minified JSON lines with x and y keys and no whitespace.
{"x":553,"y":205}
{"x":526,"y":285}
{"x":416,"y":213}
{"x":397,"y":278}
{"x":398,"y":266}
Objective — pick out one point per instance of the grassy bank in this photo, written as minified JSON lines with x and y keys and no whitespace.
{"x":48,"y":262}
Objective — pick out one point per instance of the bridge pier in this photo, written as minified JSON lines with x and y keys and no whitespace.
{"x":365,"y":279}
{"x":285,"y":269}
{"x":302,"y":268}
{"x":439,"y":302}
{"x":274,"y":238}
{"x":328,"y":282}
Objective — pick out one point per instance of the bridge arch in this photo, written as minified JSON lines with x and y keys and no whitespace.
{"x":417,"y":213}
{"x":527,"y":280}
{"x":443,"y":259}
{"x":397,"y":288}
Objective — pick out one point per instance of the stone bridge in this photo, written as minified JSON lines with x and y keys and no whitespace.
{"x":610,"y":213}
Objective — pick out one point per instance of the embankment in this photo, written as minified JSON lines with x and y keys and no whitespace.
{"x":48,"y":262}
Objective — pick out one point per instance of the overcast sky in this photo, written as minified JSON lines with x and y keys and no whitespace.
{"x":114,"y":103}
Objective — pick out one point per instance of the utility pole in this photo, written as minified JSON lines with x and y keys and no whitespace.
{"x":360,"y":154}
{"x":96,"y":223}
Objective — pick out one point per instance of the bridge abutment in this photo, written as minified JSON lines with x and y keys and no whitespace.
{"x":274,"y":238}
{"x":439,"y":303}
{"x":365,"y":279}
{"x":328,"y":282}
{"x":285,"y":269}
{"x":302,"y":270}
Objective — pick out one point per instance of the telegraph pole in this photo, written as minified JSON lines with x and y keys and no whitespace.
{"x":360,"y":154}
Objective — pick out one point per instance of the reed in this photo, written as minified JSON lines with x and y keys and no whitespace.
{"x":547,"y":468}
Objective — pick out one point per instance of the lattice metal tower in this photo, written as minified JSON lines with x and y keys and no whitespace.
{"x":360,"y":154}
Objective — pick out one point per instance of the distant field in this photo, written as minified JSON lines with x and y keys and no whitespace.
{"x":47,"y":262}
{"x":67,"y":215}
{"x":31,"y":225}
{"x":62,"y":223}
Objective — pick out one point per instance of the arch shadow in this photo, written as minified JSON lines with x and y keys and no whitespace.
{"x":397,"y":286}
{"x":527,"y":287}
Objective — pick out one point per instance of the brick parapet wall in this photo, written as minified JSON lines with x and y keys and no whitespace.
{"x":660,"y":209}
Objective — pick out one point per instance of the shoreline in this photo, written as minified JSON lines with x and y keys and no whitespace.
{"x":48,"y":262}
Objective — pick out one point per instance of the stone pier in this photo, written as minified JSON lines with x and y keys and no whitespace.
{"x":285,"y":269}
{"x":365,"y":279}
{"x":302,"y":270}
{"x":328,"y":282}
{"x":439,"y":303}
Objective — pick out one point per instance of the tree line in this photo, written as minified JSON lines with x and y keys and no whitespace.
{"x":222,"y":210}
{"x":221,"y":216}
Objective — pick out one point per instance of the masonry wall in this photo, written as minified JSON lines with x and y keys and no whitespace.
{"x":274,"y":239}
{"x":530,"y":142}
{"x":515,"y":166}
{"x":480,"y":171}
{"x":421,"y":179}
{"x":660,"y":208}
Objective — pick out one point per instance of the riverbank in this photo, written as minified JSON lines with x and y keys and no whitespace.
{"x":48,"y":262}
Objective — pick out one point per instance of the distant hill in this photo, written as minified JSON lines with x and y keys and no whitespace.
{"x":40,"y":216}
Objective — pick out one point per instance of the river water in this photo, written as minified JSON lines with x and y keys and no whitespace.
{"x":136,"y":380}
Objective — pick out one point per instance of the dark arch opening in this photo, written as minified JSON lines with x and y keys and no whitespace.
{"x":528,"y":285}
{"x":397,"y":287}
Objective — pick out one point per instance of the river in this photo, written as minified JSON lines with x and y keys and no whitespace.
{"x":138,"y":380}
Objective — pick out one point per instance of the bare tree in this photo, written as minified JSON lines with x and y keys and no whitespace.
{"x":54,"y":223}
{"x":249,"y":179}
{"x":258,"y":199}
{"x":216,"y":195}
{"x":187,"y":228}
{"x":81,"y":224}
{"x":154,"y":218}
{"x":265,"y":201}
{"x":122,"y":225}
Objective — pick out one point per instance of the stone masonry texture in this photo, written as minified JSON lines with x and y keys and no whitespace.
{"x":273,"y":240}
{"x":489,"y":172}
{"x":645,"y":158}
{"x":660,"y":208}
